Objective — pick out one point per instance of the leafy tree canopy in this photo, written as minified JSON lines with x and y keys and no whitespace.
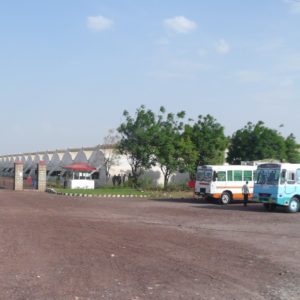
{"x":258,"y":142}
{"x":292,"y":149}
{"x":209,"y":139}
{"x":173,"y":150}
{"x":137,"y":135}
{"x":165,"y":139}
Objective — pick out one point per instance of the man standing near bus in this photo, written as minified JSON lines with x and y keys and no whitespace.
{"x":245,"y":191}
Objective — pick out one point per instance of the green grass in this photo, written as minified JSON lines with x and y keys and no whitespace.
{"x":104,"y":191}
{"x":129,"y":191}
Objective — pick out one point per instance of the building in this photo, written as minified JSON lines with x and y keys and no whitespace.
{"x":94,"y":156}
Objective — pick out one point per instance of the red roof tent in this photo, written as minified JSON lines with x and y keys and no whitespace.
{"x":191,"y":184}
{"x":80,"y":167}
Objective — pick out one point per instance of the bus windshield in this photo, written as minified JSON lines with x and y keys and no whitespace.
{"x":268,"y":176}
{"x":204,"y":175}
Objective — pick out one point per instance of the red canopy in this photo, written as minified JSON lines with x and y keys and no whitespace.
{"x":80,"y":167}
{"x":191,"y":184}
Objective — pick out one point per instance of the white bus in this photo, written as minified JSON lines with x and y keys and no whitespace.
{"x":224,"y":182}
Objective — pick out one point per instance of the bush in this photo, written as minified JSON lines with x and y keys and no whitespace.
{"x":54,"y":184}
{"x":145,"y":183}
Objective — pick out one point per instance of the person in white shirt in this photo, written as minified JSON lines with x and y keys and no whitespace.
{"x":245,"y":191}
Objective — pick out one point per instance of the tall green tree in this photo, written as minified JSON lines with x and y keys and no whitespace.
{"x":136,"y":142}
{"x":173,"y":151}
{"x":209,"y":140}
{"x":256,"y":142}
{"x":292,"y":149}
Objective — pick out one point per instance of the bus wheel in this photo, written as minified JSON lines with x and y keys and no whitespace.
{"x":225,"y":198}
{"x":293,"y":205}
{"x":270,"y":206}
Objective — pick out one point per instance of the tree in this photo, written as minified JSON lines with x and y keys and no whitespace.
{"x":209,"y":140}
{"x":137,"y":134}
{"x":109,"y":150}
{"x":256,"y":142}
{"x":292,"y":149}
{"x":173,"y":150}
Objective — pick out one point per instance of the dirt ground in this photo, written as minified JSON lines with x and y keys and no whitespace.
{"x":57,"y":247}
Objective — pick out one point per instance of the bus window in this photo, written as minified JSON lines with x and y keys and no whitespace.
{"x":261,"y":176}
{"x":215,"y":176}
{"x":247,"y":175}
{"x":208,"y":175}
{"x":255,"y":175}
{"x":200,"y":175}
{"x":291,"y":178}
{"x":298,"y":176}
{"x":238,"y":175}
{"x":229,"y":175}
{"x":282,"y":177}
{"x":221,"y":176}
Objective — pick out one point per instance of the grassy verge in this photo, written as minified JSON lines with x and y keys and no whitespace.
{"x":104,"y":191}
{"x":128,"y":192}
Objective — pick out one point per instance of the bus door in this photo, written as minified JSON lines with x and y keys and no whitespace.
{"x":290,"y":182}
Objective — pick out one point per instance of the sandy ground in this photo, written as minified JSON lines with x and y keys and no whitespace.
{"x":56,"y":247}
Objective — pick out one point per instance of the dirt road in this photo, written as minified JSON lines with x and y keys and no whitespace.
{"x":56,"y":247}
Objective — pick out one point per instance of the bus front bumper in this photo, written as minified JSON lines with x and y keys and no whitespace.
{"x":272,"y":200}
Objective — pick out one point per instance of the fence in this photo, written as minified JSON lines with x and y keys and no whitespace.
{"x":7,"y":183}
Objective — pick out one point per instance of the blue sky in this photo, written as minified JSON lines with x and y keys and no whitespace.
{"x":69,"y":68}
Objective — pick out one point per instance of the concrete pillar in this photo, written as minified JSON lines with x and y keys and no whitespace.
{"x":42,"y":176}
{"x":18,"y":185}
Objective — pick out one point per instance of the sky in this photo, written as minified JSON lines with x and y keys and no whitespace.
{"x":69,"y":68}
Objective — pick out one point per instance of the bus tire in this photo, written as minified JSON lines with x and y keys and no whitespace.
{"x":225,"y":198}
{"x":293,"y":205}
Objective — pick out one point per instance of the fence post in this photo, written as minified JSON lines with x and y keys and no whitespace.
{"x":42,"y":176}
{"x":18,"y":184}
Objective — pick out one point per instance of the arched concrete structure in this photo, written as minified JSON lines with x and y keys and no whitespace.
{"x":55,"y":161}
{"x":94,"y":156}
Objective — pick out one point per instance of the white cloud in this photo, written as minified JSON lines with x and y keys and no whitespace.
{"x":222,"y":47}
{"x":99,"y":23}
{"x":180,"y":24}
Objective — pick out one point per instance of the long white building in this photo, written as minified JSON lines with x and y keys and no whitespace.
{"x":94,"y":156}
{"x":55,"y":161}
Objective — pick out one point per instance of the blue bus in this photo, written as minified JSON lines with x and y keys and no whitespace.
{"x":278,"y":184}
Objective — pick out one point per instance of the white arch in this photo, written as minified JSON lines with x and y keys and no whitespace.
{"x":73,"y":153}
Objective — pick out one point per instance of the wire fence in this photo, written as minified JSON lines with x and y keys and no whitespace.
{"x":7,"y":183}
